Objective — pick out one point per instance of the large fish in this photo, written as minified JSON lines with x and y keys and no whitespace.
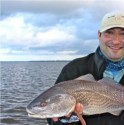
{"x":97,"y":97}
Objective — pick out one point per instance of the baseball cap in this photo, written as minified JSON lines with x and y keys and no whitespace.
{"x":111,"y":20}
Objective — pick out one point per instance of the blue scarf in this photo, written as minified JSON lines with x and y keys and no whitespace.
{"x":110,"y":65}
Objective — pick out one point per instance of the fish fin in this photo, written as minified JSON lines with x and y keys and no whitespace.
{"x":116,"y":113}
{"x":110,"y":82}
{"x":88,"y":77}
{"x":107,"y":80}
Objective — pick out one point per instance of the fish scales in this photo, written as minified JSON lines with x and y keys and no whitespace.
{"x":79,"y":86}
{"x":94,"y":95}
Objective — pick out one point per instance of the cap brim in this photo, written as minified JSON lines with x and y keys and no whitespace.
{"x":109,"y":27}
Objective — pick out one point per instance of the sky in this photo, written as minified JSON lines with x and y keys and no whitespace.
{"x":32,"y":30}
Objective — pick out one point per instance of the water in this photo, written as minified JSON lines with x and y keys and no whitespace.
{"x":21,"y":82}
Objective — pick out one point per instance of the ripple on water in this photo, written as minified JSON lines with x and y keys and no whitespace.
{"x":21,"y":82}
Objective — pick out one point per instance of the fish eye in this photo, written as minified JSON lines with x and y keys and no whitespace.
{"x":43,"y":104}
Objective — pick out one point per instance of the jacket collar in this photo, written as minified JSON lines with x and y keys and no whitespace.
{"x":101,"y":66}
{"x":100,"y":63}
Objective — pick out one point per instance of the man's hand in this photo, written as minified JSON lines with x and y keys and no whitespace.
{"x":78,"y":109}
{"x":55,"y":119}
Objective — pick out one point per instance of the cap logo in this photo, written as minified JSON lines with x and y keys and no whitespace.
{"x":118,"y":19}
{"x":113,"y":20}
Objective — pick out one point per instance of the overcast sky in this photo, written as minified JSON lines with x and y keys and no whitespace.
{"x":51,"y":29}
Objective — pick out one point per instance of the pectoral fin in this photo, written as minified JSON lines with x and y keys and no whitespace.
{"x":88,"y":77}
{"x":116,"y":113}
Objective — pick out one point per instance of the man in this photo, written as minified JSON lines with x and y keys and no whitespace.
{"x":107,"y":61}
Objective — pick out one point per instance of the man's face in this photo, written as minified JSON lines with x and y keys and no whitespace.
{"x":112,"y":43}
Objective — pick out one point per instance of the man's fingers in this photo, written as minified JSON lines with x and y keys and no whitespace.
{"x":79,"y":108}
{"x":55,"y":119}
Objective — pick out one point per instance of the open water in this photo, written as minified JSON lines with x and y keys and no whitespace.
{"x":20,"y":83}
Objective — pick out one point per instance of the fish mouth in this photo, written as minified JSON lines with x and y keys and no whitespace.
{"x":43,"y":116}
{"x":29,"y":112}
{"x":35,"y":114}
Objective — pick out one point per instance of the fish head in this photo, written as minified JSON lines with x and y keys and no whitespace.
{"x":54,"y":102}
